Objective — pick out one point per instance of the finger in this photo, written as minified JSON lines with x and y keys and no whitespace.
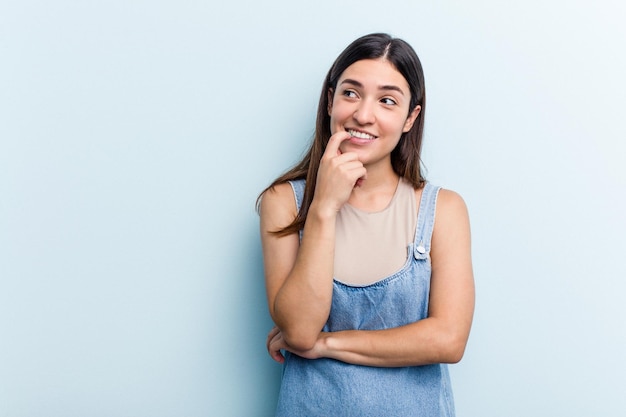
{"x":274,"y":348}
{"x":346,"y":157}
{"x":332,"y":147}
{"x":270,"y":336}
{"x":273,"y":331}
{"x":355,"y":170}
{"x":351,"y":165}
{"x":277,"y":355}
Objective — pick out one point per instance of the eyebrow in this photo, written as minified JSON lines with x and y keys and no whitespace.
{"x":382,"y":87}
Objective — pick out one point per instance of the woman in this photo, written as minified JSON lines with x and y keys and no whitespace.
{"x":370,"y":295}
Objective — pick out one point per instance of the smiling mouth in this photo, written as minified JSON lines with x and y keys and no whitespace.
{"x":360,"y":135}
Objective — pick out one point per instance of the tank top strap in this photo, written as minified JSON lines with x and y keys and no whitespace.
{"x":425,"y":221}
{"x":298,"y":192}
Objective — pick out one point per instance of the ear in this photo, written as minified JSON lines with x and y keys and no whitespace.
{"x":408,"y":124}
{"x":331,"y":92}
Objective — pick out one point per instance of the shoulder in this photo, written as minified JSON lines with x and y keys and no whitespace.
{"x":451,"y":214}
{"x":448,"y":200}
{"x":278,"y":206}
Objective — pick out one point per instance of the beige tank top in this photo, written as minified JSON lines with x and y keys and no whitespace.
{"x":372,"y":246}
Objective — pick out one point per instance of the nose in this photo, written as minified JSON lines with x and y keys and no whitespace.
{"x":364,"y":114}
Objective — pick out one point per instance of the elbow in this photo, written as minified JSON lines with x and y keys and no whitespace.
{"x":452,"y":349}
{"x":300,"y":341}
{"x":296,"y":336}
{"x":455,"y":355}
{"x":300,"y":335}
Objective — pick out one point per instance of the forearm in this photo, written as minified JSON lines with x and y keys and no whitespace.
{"x":302,"y":304}
{"x":425,"y":342}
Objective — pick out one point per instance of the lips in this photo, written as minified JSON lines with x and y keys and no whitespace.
{"x":360,"y":135}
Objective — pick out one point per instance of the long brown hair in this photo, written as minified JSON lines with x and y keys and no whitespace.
{"x":405,"y":158}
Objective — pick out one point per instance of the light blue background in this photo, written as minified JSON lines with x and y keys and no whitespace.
{"x":135,"y":136}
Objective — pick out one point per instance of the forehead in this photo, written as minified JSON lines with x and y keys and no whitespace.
{"x":375,"y":73}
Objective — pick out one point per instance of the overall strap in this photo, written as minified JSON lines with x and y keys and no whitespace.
{"x":425,"y":221}
{"x":298,"y":192}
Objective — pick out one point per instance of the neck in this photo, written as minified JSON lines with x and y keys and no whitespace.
{"x":379,"y":176}
{"x":376,"y":191}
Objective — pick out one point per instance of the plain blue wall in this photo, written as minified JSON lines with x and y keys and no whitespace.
{"x":135,"y":136}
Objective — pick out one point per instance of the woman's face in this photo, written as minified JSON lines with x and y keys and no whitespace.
{"x":371,"y":102}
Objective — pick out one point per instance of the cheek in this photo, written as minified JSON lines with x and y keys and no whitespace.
{"x":393,"y":124}
{"x":336,"y":120}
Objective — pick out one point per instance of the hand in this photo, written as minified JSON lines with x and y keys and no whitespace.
{"x":338,"y":174}
{"x":275,"y":343}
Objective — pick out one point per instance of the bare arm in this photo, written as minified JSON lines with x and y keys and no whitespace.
{"x":299,"y":275}
{"x":442,"y":336}
{"x":298,"y":279}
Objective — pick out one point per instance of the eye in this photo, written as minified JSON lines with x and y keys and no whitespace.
{"x":388,"y":101}
{"x":349,"y":93}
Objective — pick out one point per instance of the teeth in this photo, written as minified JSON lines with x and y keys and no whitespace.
{"x":360,"y":135}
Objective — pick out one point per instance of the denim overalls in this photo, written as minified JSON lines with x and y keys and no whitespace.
{"x":330,"y":388}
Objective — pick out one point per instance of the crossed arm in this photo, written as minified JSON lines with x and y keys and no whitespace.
{"x":299,"y":279}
